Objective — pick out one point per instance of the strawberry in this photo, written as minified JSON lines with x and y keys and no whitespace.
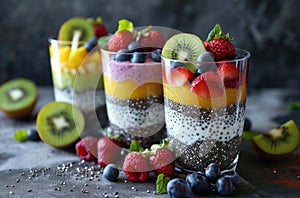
{"x":136,"y":167}
{"x":108,"y":150}
{"x":179,"y":76}
{"x":153,"y":39}
{"x":219,"y":44}
{"x":230,"y":74}
{"x":86,"y":148}
{"x":163,"y":162}
{"x":99,"y":27}
{"x":120,"y":40}
{"x":207,"y":85}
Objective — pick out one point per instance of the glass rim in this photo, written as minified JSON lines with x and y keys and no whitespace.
{"x":128,"y":53}
{"x":246,"y":55}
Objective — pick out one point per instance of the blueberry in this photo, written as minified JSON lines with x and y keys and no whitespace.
{"x":224,"y":186}
{"x":206,"y":62}
{"x":33,"y":135}
{"x":198,"y":183}
{"x":156,"y":55}
{"x":122,"y":55}
{"x":134,"y":45}
{"x":233,"y":175}
{"x":247,"y":124}
{"x":174,"y":65}
{"x":213,"y":172}
{"x":138,"y":57}
{"x":177,"y":188}
{"x":92,"y":42}
{"x":111,"y":172}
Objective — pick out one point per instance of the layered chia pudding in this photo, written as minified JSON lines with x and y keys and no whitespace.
{"x":133,"y":85}
{"x":204,"y":98}
{"x":77,"y":72}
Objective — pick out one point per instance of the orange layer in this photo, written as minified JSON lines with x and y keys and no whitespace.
{"x":184,"y":95}
{"x":130,"y":89}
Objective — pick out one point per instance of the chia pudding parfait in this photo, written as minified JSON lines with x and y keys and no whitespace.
{"x":133,"y":84}
{"x":205,"y":87}
{"x":76,"y":69}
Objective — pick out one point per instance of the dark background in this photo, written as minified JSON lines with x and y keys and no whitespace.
{"x":269,"y":29}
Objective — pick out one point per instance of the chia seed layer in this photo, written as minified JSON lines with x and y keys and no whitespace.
{"x":200,"y":136}
{"x":141,"y":119}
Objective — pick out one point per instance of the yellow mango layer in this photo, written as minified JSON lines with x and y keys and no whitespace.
{"x":130,"y":89}
{"x":184,"y":95}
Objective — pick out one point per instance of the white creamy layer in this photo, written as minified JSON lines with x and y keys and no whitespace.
{"x":188,"y":130}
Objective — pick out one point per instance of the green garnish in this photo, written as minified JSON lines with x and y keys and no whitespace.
{"x":294,"y":105}
{"x":216,"y":32}
{"x":161,"y":184}
{"x":135,"y":146}
{"x":21,"y":135}
{"x":152,"y":151}
{"x":248,"y":135}
{"x":125,"y":24}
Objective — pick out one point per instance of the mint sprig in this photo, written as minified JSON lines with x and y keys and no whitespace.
{"x":135,"y":146}
{"x":161,"y":184}
{"x":216,"y":32}
{"x":125,"y":24}
{"x":294,"y":105}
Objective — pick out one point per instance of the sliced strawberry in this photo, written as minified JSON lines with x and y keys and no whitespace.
{"x":230,"y":74}
{"x":179,"y":76}
{"x":207,"y":85}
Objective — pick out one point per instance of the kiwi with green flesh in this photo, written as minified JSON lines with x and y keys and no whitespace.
{"x":279,"y":142}
{"x":18,"y":97}
{"x":184,"y":47}
{"x":73,"y":25}
{"x":60,"y":124}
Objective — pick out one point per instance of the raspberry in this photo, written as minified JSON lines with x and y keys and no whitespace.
{"x":136,"y":167}
{"x":153,"y":39}
{"x":108,"y":150}
{"x":163,"y":162}
{"x":120,"y":40}
{"x":86,"y":148}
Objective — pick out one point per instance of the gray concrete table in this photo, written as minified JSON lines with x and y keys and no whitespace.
{"x":34,"y":169}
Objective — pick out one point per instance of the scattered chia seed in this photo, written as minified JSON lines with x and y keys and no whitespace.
{"x":29,"y":190}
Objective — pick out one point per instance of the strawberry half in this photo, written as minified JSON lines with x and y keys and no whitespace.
{"x":230,"y":74}
{"x":163,"y":162}
{"x":179,"y":76}
{"x":208,"y":85}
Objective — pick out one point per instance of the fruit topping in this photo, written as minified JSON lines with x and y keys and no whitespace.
{"x":151,"y":38}
{"x":24,"y":135}
{"x":18,"y":97}
{"x":228,"y":71}
{"x":206,"y":63}
{"x":136,"y":167}
{"x":179,"y":76}
{"x":177,"y":188}
{"x":99,"y":28}
{"x":138,"y":57}
{"x":213,"y":172}
{"x":77,"y":57}
{"x":198,"y":183}
{"x":86,"y":148}
{"x":122,"y":55}
{"x":219,"y":44}
{"x":120,"y":40}
{"x":208,"y":85}
{"x":60,"y":124}
{"x":279,"y":142}
{"x":163,"y":162}
{"x":156,"y":55}
{"x":91,"y":44}
{"x":111,"y":172}
{"x":109,"y":150}
{"x":134,"y":45}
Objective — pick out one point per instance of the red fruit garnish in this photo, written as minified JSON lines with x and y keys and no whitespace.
{"x":222,"y":49}
{"x":86,"y":148}
{"x":136,"y":167}
{"x":108,"y":150}
{"x":163,"y":162}
{"x":207,"y":85}
{"x":230,"y":74}
{"x":179,"y":76}
{"x":153,"y":39}
{"x":99,"y":27}
{"x":120,"y":40}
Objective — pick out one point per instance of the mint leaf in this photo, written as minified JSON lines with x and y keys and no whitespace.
{"x":21,"y":135}
{"x":161,"y":184}
{"x":216,"y":32}
{"x":135,"y":146}
{"x":125,"y":24}
{"x":294,"y":105}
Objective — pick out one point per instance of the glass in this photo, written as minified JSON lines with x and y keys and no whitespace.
{"x":204,"y":121}
{"x":77,"y":79}
{"x":134,"y":99}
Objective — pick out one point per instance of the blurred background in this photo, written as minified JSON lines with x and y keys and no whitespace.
{"x":269,"y":29}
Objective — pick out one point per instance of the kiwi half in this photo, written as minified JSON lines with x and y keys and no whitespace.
{"x":18,"y":97}
{"x":79,"y":25}
{"x":184,"y":47}
{"x":60,"y":124}
{"x":279,"y":142}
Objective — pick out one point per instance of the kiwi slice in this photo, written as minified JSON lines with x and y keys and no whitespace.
{"x":18,"y":97}
{"x":60,"y":124}
{"x":279,"y":142}
{"x":184,"y":47}
{"x":76,"y":26}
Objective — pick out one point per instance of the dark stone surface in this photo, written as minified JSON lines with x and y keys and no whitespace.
{"x":269,"y":29}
